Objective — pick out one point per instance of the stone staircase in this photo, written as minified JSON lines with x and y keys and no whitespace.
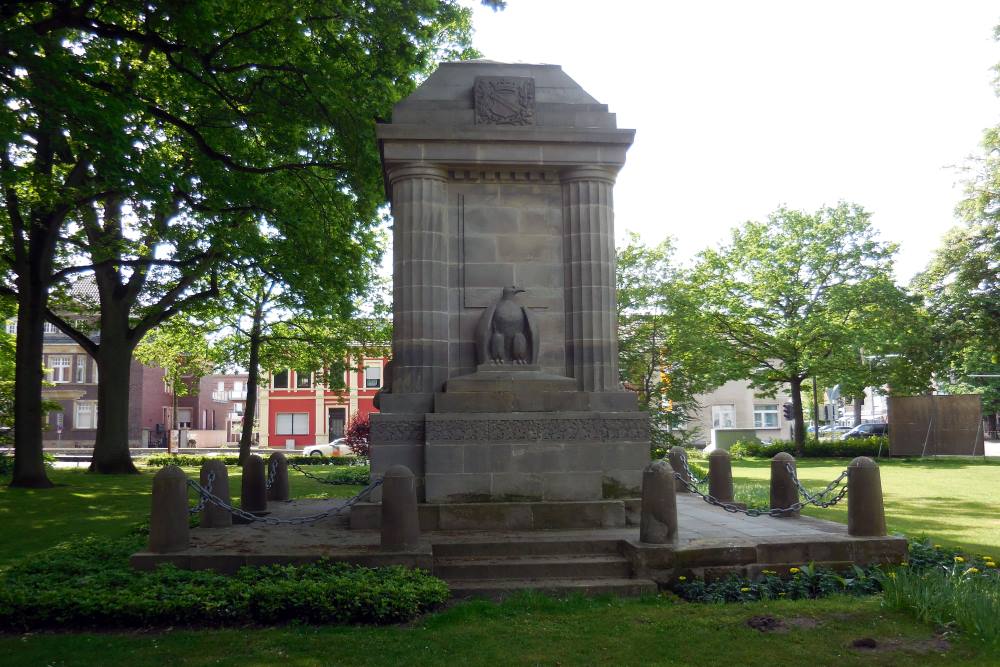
{"x":497,"y":569}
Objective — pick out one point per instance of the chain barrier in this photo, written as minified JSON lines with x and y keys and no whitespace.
{"x":208,"y":496}
{"x":810,"y":499}
{"x":817,"y":499}
{"x":317,"y":478}
{"x":272,"y":469}
{"x":690,"y":474}
{"x":201,"y":498}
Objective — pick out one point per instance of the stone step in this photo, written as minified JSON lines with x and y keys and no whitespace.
{"x":526,"y":548}
{"x":496,"y":590}
{"x":537,"y":567}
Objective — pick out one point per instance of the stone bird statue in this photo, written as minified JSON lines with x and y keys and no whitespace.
{"x":507,"y":332}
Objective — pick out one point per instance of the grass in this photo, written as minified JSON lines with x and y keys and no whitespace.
{"x":956,"y":501}
{"x":103,"y":505}
{"x":532,"y":630}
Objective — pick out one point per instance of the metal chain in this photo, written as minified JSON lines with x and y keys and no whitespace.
{"x":208,"y":496}
{"x":691,"y":475}
{"x":773,"y":511}
{"x":201,"y":498}
{"x":817,"y":499}
{"x":272,"y":469}
{"x":311,"y":476}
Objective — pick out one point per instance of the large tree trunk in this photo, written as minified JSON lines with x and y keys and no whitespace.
{"x":795,"y":387}
{"x":111,"y":451}
{"x":250,"y":409}
{"x":858,"y":402}
{"x":29,"y":466}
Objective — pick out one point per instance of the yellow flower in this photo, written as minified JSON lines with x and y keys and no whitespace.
{"x":937,"y":546}
{"x":744,"y":590}
{"x":990,"y":563}
{"x":682,"y":578}
{"x":959,"y":559}
{"x":781,"y":595}
{"x":892,"y":575}
{"x":794,"y":570}
{"x":904,"y":564}
{"x":972,"y":570}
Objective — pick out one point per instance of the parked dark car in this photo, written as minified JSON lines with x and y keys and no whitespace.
{"x":867,"y":431}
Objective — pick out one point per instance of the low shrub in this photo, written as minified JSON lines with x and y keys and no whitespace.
{"x":193,"y":461}
{"x":350,"y":475}
{"x":874,"y":446}
{"x":89,"y":584}
{"x":807,"y":581}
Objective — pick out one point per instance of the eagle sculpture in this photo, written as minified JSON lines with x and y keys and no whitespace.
{"x":507,"y":332}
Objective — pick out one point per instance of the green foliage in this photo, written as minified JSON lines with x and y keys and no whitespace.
{"x":848,"y":448}
{"x":181,"y":349}
{"x":949,"y":589}
{"x":810,"y":295}
{"x":661,"y":353}
{"x":192,"y":461}
{"x":804,"y":582}
{"x":89,"y":583}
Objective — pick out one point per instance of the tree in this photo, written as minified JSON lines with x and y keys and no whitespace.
{"x":662,"y":354}
{"x":961,"y":284}
{"x":183,"y":351}
{"x":801,"y":296}
{"x":273,"y":325}
{"x":141,"y":142}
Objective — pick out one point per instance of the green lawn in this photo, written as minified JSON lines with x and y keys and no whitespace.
{"x":954,"y":502}
{"x":532,"y":630}
{"x":106,"y":505}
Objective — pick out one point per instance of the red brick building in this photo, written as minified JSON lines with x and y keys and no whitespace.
{"x":296,"y":411}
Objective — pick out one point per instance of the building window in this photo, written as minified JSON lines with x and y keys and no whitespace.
{"x":12,"y":327}
{"x":59,"y":365}
{"x":81,"y":369}
{"x":280,"y":380}
{"x":183,"y":417}
{"x":373,"y":377}
{"x":49,"y":328}
{"x":303,"y":379}
{"x":723,"y":416}
{"x":237,"y":408}
{"x":85,"y":415}
{"x":94,"y":379}
{"x":765,"y":416}
{"x":292,"y":423}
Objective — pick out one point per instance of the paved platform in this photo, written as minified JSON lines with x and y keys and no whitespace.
{"x":711,"y":543}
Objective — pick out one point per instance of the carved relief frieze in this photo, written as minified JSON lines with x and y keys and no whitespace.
{"x":571,"y":429}
{"x":401,"y":431}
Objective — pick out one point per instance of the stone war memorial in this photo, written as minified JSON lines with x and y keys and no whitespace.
{"x":506,"y":453}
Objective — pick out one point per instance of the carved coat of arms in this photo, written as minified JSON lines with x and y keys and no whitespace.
{"x":505,"y":100}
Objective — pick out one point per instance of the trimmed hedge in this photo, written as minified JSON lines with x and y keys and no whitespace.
{"x":192,"y":461}
{"x":89,"y":584}
{"x":814,"y":449}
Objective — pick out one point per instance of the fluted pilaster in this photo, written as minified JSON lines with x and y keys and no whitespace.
{"x":591,"y":318}
{"x":420,"y":279}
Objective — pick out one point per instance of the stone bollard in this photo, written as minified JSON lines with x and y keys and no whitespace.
{"x":865,"y":511}
{"x":253,"y":490}
{"x":211,"y":515}
{"x":784,"y":493}
{"x":400,"y":521}
{"x":677,"y":455}
{"x":279,"y":484}
{"x":658,"y":521}
{"x":720,"y":476}
{"x":168,"y":520}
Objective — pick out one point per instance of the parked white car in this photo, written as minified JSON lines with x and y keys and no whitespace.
{"x":337,"y":447}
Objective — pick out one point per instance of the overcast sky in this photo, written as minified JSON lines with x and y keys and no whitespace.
{"x":740,"y":107}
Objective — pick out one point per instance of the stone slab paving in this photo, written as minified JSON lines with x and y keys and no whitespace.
{"x":702,"y":529}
